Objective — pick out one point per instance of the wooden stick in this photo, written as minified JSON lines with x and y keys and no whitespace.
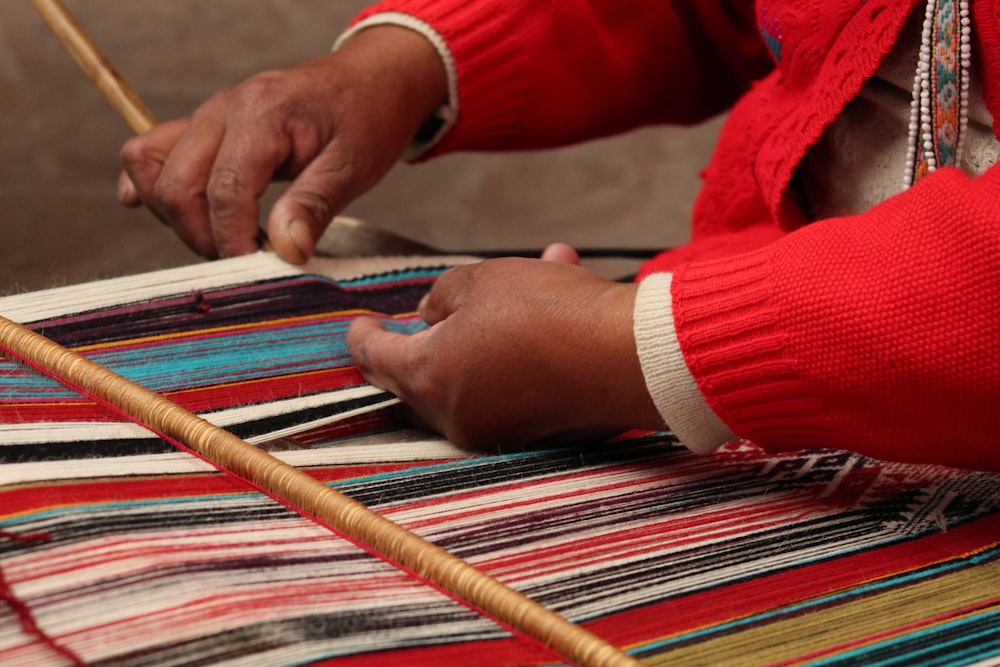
{"x":116,"y":90}
{"x":302,"y":491}
{"x":108,"y":81}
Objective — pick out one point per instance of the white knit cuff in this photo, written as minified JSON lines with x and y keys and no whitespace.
{"x":668,"y":380}
{"x":447,"y":115}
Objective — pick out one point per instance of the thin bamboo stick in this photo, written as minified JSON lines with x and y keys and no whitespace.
{"x":95,"y":66}
{"x":308,"y":494}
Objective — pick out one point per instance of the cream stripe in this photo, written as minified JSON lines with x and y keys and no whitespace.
{"x":671,"y":385}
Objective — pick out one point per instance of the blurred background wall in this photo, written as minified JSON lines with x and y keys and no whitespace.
{"x":59,"y":142}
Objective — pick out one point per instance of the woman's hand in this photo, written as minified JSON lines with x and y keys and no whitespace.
{"x":518,"y":351}
{"x":335,"y":125}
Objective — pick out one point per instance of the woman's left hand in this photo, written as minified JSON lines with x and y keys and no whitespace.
{"x":518,"y":351}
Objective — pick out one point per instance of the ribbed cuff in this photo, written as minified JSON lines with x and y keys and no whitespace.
{"x":671,"y":386}
{"x":729,"y":326}
{"x":447,"y":115}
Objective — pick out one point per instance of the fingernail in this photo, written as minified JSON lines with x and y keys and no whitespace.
{"x":126,"y":191}
{"x":301,"y":234}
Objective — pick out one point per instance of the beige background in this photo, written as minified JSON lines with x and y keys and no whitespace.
{"x":59,"y":141}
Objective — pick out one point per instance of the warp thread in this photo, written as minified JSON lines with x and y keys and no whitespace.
{"x":158,"y":415}
{"x":25,"y":617}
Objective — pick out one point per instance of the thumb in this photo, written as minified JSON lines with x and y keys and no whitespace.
{"x":304,"y":210}
{"x":380,"y":356}
{"x":561,"y":253}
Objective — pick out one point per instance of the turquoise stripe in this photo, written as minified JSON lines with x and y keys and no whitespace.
{"x":864,"y":589}
{"x":192,"y":363}
{"x":932,"y":641}
{"x":37,"y":515}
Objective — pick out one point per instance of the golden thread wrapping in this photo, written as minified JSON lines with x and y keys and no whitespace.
{"x":312,"y":496}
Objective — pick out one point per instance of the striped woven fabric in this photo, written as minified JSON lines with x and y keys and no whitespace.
{"x":244,"y":351}
{"x":116,"y":550}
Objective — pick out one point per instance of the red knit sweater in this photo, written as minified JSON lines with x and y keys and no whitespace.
{"x":878,"y":332}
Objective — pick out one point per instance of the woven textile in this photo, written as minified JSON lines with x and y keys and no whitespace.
{"x":116,"y":550}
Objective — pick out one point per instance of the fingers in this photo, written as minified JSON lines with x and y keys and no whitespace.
{"x":171,"y":182}
{"x":397,"y":363}
{"x":304,"y":210}
{"x":243,"y":168}
{"x":127,"y":194}
{"x":169,"y":167}
{"x":404,"y":366}
{"x":182,"y":192}
{"x":378,"y":354}
{"x":452,"y":288}
{"x":204,"y":176}
{"x":336,"y":124}
{"x":143,"y":158}
{"x":561,"y":253}
{"x":448,"y":293}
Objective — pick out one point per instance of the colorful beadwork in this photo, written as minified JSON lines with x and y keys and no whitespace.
{"x":939,"y":111}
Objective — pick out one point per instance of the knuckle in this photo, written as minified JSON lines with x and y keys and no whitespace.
{"x":143,"y":150}
{"x":135,"y":151}
{"x":263,"y":86}
{"x":170,"y":187}
{"x":172,"y":193}
{"x":224,"y":180}
{"x":226,"y":187}
{"x":262,"y":94}
{"x":317,"y":205}
{"x":343,"y":166}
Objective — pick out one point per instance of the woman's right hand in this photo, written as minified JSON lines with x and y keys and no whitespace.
{"x":334,"y":125}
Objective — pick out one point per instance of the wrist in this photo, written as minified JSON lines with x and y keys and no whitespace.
{"x":633,"y":407}
{"x":408,"y":64}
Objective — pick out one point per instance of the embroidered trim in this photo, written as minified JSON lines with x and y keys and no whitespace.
{"x":939,"y":112}
{"x":770,"y":30}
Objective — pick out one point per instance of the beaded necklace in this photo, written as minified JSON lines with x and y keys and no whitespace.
{"x":940,"y":108}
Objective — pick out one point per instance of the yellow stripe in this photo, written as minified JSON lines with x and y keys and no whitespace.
{"x":853,"y":621}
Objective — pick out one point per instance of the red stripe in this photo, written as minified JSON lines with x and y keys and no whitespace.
{"x":200,"y":400}
{"x":26,"y":619}
{"x":668,"y":619}
{"x":670,"y":533}
{"x":482,"y":653}
{"x":50,"y":495}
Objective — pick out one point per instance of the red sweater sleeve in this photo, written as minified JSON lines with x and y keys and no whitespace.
{"x":878,"y":333}
{"x":540,"y":74}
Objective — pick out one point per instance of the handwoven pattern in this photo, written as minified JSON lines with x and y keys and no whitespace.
{"x":136,"y":555}
{"x":258,"y":357}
